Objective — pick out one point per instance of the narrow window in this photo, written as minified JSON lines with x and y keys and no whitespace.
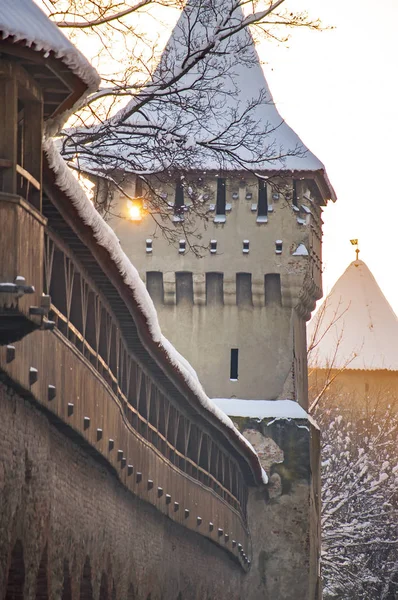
{"x":262,"y":209}
{"x":182,"y":246}
{"x":244,"y":289}
{"x":213,"y":246}
{"x":234,"y":364}
{"x":220,"y":205}
{"x":246,"y":247}
{"x":278,"y":246}
{"x":184,"y":287}
{"x":138,"y":187}
{"x":295,"y":199}
{"x":214,"y":288}
{"x":179,"y":197}
{"x":154,"y":284}
{"x":272,"y":289}
{"x":149,"y":246}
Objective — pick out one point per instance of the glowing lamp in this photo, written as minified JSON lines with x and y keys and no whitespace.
{"x":135,"y":209}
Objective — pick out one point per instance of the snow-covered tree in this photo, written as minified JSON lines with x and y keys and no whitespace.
{"x":161,"y":112}
{"x":359,"y":502}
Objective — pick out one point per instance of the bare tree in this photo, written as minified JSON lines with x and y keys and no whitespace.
{"x":182,"y":114}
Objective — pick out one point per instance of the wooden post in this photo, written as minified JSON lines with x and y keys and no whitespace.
{"x":33,"y":132}
{"x":8,"y":132}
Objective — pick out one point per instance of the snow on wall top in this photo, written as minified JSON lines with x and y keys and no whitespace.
{"x":261,"y":409}
{"x":25,"y":22}
{"x":363,"y":329}
{"x":241,"y":81}
{"x":106,"y":237}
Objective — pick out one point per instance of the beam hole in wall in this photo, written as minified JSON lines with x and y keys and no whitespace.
{"x":214,"y":288}
{"x":16,"y":574}
{"x":184,"y":287}
{"x":244,"y":289}
{"x":272,"y":289}
{"x":233,"y":375}
{"x":154,"y":285}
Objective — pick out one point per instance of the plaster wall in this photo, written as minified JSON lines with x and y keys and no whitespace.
{"x":357,"y":389}
{"x":267,"y":324}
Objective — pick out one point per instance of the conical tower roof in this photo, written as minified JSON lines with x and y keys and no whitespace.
{"x":355,"y":326}
{"x":227,"y":86}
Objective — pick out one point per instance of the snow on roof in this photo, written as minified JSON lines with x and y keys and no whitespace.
{"x":198,"y":24}
{"x":356,"y":327}
{"x":106,"y":237}
{"x":25,"y":22}
{"x":261,"y":409}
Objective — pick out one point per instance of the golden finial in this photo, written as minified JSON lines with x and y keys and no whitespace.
{"x":355,"y":243}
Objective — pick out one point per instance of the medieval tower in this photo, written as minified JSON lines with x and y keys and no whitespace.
{"x":238,"y":312}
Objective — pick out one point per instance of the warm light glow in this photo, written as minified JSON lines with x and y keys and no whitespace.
{"x":135,"y":210}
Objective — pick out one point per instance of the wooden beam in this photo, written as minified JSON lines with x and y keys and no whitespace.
{"x":28,"y":87}
{"x":26,"y":175}
{"x":8,"y":131}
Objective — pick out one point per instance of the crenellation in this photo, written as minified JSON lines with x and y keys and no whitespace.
{"x":250,"y":259}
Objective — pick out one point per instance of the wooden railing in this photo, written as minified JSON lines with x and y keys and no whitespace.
{"x":83,"y":316}
{"x":26,"y":183}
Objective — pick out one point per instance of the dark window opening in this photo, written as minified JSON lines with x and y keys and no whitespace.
{"x":154,"y":284}
{"x":262,"y":208}
{"x":182,"y":247}
{"x":244,"y":289}
{"x":213,"y":246}
{"x":179,"y":197}
{"x":184,"y":287}
{"x":220,"y":204}
{"x":214,"y":288}
{"x":138,"y":187}
{"x":272,"y":289}
{"x":246,"y":246}
{"x":234,"y":364}
{"x":149,"y":246}
{"x":295,"y":199}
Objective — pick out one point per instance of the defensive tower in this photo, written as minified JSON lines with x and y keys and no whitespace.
{"x":238,"y":313}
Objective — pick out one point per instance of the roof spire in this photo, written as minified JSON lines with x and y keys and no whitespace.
{"x":357,"y":251}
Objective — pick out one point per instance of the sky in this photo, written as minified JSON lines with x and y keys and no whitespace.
{"x":338,"y":89}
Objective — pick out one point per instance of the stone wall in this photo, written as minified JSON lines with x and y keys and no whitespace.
{"x":284,"y":517}
{"x":69,"y":530}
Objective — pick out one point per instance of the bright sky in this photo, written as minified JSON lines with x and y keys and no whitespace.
{"x":338,"y":89}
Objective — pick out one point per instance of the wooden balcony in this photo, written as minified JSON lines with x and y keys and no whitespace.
{"x":21,"y":267}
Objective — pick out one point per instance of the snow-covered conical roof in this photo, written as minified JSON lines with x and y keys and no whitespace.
{"x":22,"y":21}
{"x":355,"y":326}
{"x":231,"y":77}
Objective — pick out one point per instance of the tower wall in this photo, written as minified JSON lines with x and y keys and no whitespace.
{"x":254,"y":298}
